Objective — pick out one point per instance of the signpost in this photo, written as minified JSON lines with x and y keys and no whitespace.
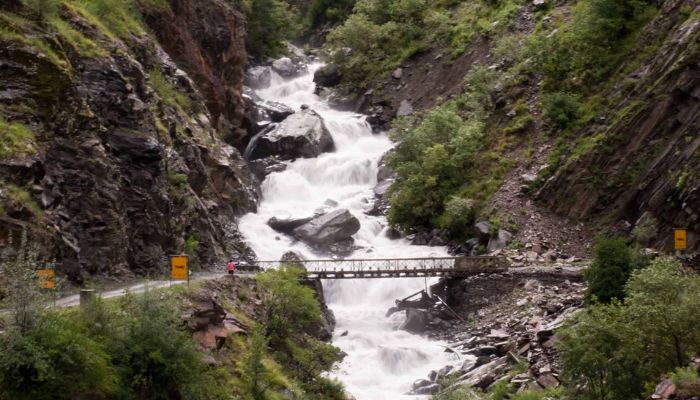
{"x":680,"y":239}
{"x":178,"y":269}
{"x":47,"y":278}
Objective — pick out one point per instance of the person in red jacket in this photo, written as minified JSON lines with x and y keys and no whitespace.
{"x":231,"y":267}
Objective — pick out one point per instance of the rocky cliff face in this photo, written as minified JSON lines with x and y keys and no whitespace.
{"x":121,"y":161}
{"x":645,"y":165}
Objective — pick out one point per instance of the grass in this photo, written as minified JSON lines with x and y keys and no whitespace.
{"x":22,"y":197}
{"x":15,"y":139}
{"x":79,"y":42}
{"x":169,"y":93}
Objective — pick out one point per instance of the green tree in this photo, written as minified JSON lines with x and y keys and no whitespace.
{"x":609,"y":271}
{"x":663,"y":305}
{"x":270,"y":24}
{"x":288,"y":306}
{"x":610,"y":350}
{"x":599,"y":362}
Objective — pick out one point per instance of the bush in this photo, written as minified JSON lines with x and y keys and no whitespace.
{"x":609,"y":271}
{"x":155,"y":356}
{"x":54,"y":357}
{"x":561,"y":109}
{"x":289,"y":306}
{"x":610,"y":351}
{"x":458,"y":217}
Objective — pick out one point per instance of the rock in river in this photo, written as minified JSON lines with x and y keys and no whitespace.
{"x":303,"y":134}
{"x":328,"y":229}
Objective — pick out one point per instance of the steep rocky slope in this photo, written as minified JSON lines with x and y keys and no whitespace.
{"x":631,"y":163}
{"x":112,"y":155}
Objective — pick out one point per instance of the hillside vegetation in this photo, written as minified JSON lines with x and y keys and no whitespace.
{"x":580,"y":78}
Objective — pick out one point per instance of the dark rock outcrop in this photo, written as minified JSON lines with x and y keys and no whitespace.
{"x":124,"y":174}
{"x":301,"y":135}
{"x":327,"y":76}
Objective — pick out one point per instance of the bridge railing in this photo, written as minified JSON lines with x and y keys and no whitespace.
{"x":467,"y":264}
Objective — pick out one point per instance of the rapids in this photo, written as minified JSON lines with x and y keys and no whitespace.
{"x":382,"y":362}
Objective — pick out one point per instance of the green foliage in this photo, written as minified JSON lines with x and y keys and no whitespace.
{"x":588,"y":50}
{"x":191,"y":244}
{"x":155,"y":357}
{"x":609,"y":271}
{"x":459,"y":216}
{"x":331,"y":11}
{"x":54,"y":359}
{"x":432,"y":155}
{"x":254,"y":371}
{"x":430,"y":161}
{"x":168,"y":93}
{"x":270,"y":24}
{"x":15,"y":139}
{"x":610,"y":351}
{"x":289,"y":306}
{"x":561,"y":109}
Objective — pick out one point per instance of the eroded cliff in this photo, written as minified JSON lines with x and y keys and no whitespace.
{"x":112,"y":150}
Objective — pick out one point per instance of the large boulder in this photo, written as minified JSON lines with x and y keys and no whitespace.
{"x":327,"y":76}
{"x":328,"y":229}
{"x":303,"y":134}
{"x":287,"y":225}
{"x":287,"y":68}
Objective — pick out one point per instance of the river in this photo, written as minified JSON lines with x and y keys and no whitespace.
{"x":382,"y":362}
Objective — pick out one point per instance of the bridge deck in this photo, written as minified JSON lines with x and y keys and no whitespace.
{"x":395,"y":268}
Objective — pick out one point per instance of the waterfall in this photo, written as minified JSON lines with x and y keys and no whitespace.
{"x":382,"y":362}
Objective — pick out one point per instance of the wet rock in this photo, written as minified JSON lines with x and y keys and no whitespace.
{"x":470,"y":362}
{"x":285,"y":67}
{"x":287,"y":225}
{"x":328,"y":229}
{"x":416,"y":321}
{"x":263,"y":167}
{"x":277,"y":112}
{"x":327,"y":76}
{"x":292,"y":257}
{"x":258,"y":77}
{"x":421,"y":383}
{"x":302,"y":134}
{"x":433,"y":388}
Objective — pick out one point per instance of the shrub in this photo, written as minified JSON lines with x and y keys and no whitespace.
{"x":53,"y":357}
{"x":288,"y":305}
{"x":155,"y":357}
{"x":168,"y":93}
{"x":459,"y":216}
{"x":609,"y":271}
{"x":561,"y":109}
{"x":253,"y":369}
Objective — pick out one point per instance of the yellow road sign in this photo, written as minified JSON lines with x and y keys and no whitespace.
{"x":178,"y":267}
{"x":47,"y":278}
{"x":680,"y":239}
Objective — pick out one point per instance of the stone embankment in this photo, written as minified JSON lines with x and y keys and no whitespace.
{"x":500,"y":327}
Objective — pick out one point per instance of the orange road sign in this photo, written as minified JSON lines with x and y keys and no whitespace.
{"x":178,"y":268}
{"x":680,"y":238}
{"x":47,"y":278}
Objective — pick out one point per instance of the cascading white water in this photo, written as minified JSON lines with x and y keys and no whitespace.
{"x":382,"y":361}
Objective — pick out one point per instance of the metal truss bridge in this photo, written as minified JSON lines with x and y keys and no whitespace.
{"x":456,"y":267}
